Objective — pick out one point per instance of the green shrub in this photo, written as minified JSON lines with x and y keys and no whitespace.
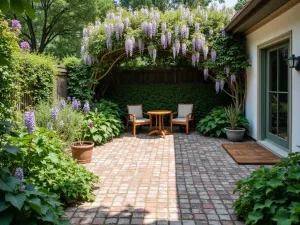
{"x":37,"y":76}
{"x":79,"y":79}
{"x":49,"y":167}
{"x":21,"y":202}
{"x":72,"y":120}
{"x":167,"y":96}
{"x":101,"y":127}
{"x":8,"y":86}
{"x":271,"y":195}
{"x":215,"y":122}
{"x":108,"y":108}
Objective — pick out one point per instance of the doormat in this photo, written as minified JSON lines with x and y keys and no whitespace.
{"x":251,"y":154}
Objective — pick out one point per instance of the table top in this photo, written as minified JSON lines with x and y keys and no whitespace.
{"x":159,"y":112}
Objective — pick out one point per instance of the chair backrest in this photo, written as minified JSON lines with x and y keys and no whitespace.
{"x":185,"y":109}
{"x":136,"y":110}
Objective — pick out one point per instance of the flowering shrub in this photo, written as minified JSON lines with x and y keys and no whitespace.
{"x":20,"y":201}
{"x":48,"y":166}
{"x":271,"y":195}
{"x":66,"y":121}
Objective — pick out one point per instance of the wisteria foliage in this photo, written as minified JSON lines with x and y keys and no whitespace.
{"x":182,"y":31}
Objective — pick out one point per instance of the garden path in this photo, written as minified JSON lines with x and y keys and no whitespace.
{"x":183,"y":179}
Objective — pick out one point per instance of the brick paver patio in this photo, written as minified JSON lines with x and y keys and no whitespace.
{"x":185,"y":180}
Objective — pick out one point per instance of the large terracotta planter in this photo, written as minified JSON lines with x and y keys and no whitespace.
{"x":82,"y":151}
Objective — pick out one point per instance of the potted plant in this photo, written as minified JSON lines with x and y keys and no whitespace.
{"x":234,"y":133}
{"x":82,"y":150}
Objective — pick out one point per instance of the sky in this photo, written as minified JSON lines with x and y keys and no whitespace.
{"x":230,"y":3}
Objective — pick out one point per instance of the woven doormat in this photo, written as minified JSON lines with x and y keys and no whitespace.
{"x":251,"y":154}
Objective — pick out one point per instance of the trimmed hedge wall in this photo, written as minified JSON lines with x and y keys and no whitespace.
{"x":167,"y":96}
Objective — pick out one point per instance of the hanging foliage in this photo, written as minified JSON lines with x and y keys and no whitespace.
{"x":181,"y":32}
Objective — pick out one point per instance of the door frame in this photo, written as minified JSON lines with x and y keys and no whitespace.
{"x":261,"y":97}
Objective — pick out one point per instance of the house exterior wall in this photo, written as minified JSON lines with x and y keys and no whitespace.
{"x":286,"y":22}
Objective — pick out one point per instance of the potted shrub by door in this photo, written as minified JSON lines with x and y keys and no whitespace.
{"x":82,"y":150}
{"x":234,"y":133}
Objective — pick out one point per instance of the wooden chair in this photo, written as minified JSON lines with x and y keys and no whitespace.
{"x":185,"y":117}
{"x":135,"y":117}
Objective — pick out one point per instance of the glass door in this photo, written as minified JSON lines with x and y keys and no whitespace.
{"x":277,"y":107}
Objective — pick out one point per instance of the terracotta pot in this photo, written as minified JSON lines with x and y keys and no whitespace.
{"x":82,"y":151}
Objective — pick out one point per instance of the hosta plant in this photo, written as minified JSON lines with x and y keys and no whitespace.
{"x":271,"y":195}
{"x":215,"y":122}
{"x":101,"y":128}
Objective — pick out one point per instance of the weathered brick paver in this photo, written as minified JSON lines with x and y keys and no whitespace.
{"x":180,"y":180}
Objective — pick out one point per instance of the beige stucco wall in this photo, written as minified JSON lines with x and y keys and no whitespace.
{"x":288,"y":21}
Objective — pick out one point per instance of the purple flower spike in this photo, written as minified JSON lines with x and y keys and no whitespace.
{"x":25,"y":46}
{"x":29,"y":121}
{"x":217,"y":86}
{"x":227,"y":70}
{"x":177,"y":46}
{"x":62,"y":104}
{"x":22,"y":187}
{"x":213,"y":56}
{"x":232,"y":78}
{"x":50,"y":126}
{"x":16,"y":25}
{"x":74,"y":104}
{"x":183,"y":48}
{"x":205,"y":73}
{"x":54,"y":113}
{"x":19,"y":173}
{"x":86,"y":108}
{"x":78,"y":104}
{"x":164,"y":42}
{"x":69,"y":99}
{"x":222,"y":83}
{"x":61,"y":124}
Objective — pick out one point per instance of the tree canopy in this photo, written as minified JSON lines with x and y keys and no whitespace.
{"x":240,"y":4}
{"x":60,"y":21}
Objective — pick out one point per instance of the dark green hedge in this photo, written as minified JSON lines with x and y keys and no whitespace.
{"x":167,"y":96}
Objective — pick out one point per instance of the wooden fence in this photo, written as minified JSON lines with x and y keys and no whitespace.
{"x":61,"y":89}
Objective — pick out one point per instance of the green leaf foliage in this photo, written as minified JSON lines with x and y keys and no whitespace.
{"x":271,"y":195}
{"x":48,"y":166}
{"x":167,"y":96}
{"x":79,"y":79}
{"x":24,"y":204}
{"x":215,"y":122}
{"x":104,"y":125}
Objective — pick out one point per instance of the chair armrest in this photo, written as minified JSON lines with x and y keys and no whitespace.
{"x":188,"y":116}
{"x":128,"y":116}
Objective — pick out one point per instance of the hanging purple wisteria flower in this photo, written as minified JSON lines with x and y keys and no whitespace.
{"x":194,"y":59}
{"x":141,"y":46}
{"x":177,"y":46}
{"x":16,"y":25}
{"x":109,"y":44}
{"x":19,"y":173}
{"x":154,"y":54}
{"x":61,"y":124}
{"x":223,"y":33}
{"x":154,"y":27}
{"x":169,"y":38}
{"x":50,"y":126}
{"x":217,"y":86}
{"x":25,"y":46}
{"x":227,"y":70}
{"x":197,"y":57}
{"x":29,"y":121}
{"x":119,"y":30}
{"x":86,"y":108}
{"x":54,"y":113}
{"x":129,"y":44}
{"x":164,"y":41}
{"x":197,"y":26}
{"x":174,"y":51}
{"x":232,"y":78}
{"x":205,"y":73}
{"x":213,"y":56}
{"x":184,"y":31}
{"x":183,"y":49}
{"x":193,"y":44}
{"x":191,"y":20}
{"x":62,"y":104}
{"x":205,"y":52}
{"x":222,"y":83}
{"x":127,"y":22}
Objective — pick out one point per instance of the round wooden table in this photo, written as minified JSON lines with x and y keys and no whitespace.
{"x":159,"y":121}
